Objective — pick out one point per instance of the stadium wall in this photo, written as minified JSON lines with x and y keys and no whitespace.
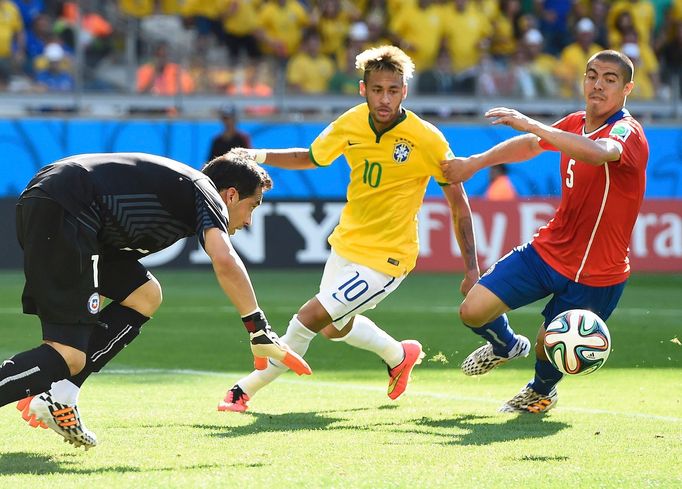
{"x":287,"y":234}
{"x":28,"y":144}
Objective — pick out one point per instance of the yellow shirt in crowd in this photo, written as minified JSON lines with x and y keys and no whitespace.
{"x":10,"y":25}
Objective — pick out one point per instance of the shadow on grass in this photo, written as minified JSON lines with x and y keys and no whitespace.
{"x":312,"y":420}
{"x":36,"y":464}
{"x":471,"y":429}
{"x":466,"y":429}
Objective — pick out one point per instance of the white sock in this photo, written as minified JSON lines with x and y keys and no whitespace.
{"x":368,"y":336}
{"x":65,"y":392}
{"x":298,"y":337}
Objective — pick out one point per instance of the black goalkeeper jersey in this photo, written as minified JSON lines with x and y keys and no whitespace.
{"x":137,"y":203}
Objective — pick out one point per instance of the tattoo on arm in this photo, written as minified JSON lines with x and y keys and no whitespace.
{"x":464,"y":232}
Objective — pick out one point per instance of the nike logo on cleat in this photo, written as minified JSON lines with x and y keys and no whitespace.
{"x":394,"y":382}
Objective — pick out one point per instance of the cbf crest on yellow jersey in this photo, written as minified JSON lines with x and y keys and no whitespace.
{"x":389,"y":172}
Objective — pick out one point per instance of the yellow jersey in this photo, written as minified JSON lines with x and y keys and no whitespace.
{"x":389,"y":171}
{"x":10,"y":25}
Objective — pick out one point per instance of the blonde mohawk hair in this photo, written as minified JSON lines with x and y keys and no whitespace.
{"x":388,"y":58}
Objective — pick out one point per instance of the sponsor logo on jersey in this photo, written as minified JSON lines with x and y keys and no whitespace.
{"x":621,"y":131}
{"x":401,"y":150}
{"x":93,"y":303}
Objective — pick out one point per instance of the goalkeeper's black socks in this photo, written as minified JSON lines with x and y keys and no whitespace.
{"x":121,"y":326}
{"x":30,"y":373}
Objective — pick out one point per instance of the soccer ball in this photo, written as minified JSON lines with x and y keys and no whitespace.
{"x":577,"y":342}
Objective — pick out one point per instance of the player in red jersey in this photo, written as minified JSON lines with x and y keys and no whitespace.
{"x":580,"y":257}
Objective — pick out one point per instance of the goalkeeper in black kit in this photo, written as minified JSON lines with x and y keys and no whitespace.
{"x":83,"y":223}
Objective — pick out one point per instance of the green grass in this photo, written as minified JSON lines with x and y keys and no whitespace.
{"x":154,"y":410}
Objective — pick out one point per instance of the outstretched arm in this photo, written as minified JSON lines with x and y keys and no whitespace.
{"x":574,"y":145}
{"x":234,"y":280}
{"x":230,"y":271}
{"x":514,"y":150}
{"x":464,"y":233}
{"x":290,"y":159}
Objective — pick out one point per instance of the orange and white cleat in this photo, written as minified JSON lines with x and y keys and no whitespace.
{"x":531,"y":401}
{"x":42,"y":411}
{"x":23,"y":406}
{"x":399,"y":375}
{"x":235,"y":401}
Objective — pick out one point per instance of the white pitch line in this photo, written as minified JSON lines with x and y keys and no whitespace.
{"x":396,"y":308}
{"x":337,"y":385}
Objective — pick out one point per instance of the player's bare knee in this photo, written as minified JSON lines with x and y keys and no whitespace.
{"x":146,"y":299}
{"x":314,"y":316}
{"x":470,"y":316}
{"x":74,"y":358}
{"x":77,"y":362}
{"x":332,"y":333}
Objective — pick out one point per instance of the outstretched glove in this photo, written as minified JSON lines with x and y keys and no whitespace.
{"x":265,"y":343}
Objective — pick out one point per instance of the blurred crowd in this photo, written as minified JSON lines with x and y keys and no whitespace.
{"x":520,"y":48}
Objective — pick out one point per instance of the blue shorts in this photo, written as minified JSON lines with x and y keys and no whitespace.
{"x":522,"y":277}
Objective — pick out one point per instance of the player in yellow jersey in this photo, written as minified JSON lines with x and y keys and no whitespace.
{"x":392,"y":154}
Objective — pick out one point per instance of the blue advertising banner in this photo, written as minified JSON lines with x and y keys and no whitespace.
{"x":28,"y":144}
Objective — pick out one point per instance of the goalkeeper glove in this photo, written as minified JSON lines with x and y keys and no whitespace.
{"x":265,"y":343}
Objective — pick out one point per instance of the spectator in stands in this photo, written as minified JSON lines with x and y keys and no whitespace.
{"x":467,"y":38}
{"x":345,"y":80}
{"x":11,"y":32}
{"x":375,"y":11}
{"x":85,"y":26}
{"x":309,"y":71}
{"x":623,"y":24}
{"x":440,"y":79}
{"x":137,"y":8}
{"x":378,"y":35}
{"x":574,"y":58}
{"x":643,"y":16}
{"x":254,"y":80}
{"x":500,"y":186}
{"x":30,"y":10}
{"x":598,"y":13}
{"x":646,"y":77}
{"x":56,"y":77}
{"x":503,"y":43}
{"x":281,"y":25}
{"x":553,"y":15}
{"x":535,"y":77}
{"x":240,"y":23}
{"x":419,"y":29}
{"x":204,"y":15}
{"x":160,"y":76}
{"x":37,"y":37}
{"x":333,"y":19}
{"x":357,"y":41}
{"x":671,"y":59}
{"x":209,"y":76}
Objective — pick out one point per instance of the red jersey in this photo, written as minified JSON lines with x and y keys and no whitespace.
{"x":588,"y":238}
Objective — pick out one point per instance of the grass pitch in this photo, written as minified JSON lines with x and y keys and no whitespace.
{"x":154,"y":409}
